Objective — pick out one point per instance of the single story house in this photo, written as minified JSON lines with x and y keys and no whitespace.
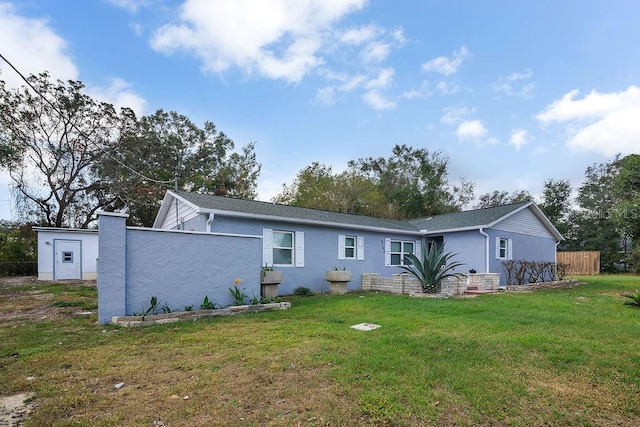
{"x":304,"y":243}
{"x":67,"y":253}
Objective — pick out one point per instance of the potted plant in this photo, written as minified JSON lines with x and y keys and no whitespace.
{"x":269,"y":281}
{"x":338,"y":280}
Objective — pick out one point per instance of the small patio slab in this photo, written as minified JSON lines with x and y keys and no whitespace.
{"x":365,"y":326}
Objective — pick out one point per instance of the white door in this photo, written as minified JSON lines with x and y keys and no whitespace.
{"x":68,"y":259}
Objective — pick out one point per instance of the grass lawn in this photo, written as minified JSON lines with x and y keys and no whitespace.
{"x":554,"y":358}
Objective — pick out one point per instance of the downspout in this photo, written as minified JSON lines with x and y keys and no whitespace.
{"x":555,"y":260}
{"x":486,"y":250}
{"x":209,"y":221}
{"x":177,"y":216}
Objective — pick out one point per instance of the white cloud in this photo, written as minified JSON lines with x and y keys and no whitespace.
{"x":455,"y":115}
{"x":422,"y":92}
{"x":130,"y":5}
{"x":446,"y":65}
{"x":278,"y":39}
{"x":516,"y":84}
{"x":359,"y":36}
{"x":377,"y":101}
{"x":384,"y":79}
{"x":120,"y":94}
{"x":447,"y":88}
{"x":352,"y":83}
{"x":471,"y":130}
{"x":32,"y":47}
{"x":519,"y":137}
{"x":376,"y":52}
{"x":605,"y":123}
{"x":325,"y":96}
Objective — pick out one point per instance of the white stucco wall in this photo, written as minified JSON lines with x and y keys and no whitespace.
{"x":89,"y":247}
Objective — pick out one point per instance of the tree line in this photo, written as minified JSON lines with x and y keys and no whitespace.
{"x":69,"y":156}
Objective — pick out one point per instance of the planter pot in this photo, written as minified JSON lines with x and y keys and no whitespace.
{"x":268,"y":290}
{"x":338,"y":280}
{"x":338,"y":288}
{"x":270,"y":277}
{"x":338,"y":276}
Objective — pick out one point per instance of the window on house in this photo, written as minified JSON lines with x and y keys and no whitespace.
{"x":350,"y":247}
{"x":503,"y":248}
{"x":67,"y":256}
{"x":282,"y":248}
{"x":399,"y":249}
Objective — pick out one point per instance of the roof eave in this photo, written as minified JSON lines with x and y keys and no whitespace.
{"x":166,"y":204}
{"x":453,"y":230}
{"x":306,"y":221}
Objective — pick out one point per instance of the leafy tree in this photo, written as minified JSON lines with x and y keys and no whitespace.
{"x":414,"y":182}
{"x":318,"y":187}
{"x":157,"y":149}
{"x":50,"y":144}
{"x":626,"y":189}
{"x":434,"y":266}
{"x":556,"y":203}
{"x":499,"y":198}
{"x":594,"y":227}
{"x":18,"y":249}
{"x":409,"y":184}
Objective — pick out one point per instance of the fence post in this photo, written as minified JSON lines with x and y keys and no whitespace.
{"x":112,"y":245}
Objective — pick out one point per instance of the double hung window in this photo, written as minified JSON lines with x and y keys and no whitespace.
{"x":396,"y":250}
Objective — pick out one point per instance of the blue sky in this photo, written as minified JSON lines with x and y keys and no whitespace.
{"x":513,"y":92}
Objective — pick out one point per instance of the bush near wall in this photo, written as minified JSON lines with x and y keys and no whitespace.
{"x":520,"y":272}
{"x":18,"y":250}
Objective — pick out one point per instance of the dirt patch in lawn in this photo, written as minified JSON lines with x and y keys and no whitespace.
{"x":13,"y":409}
{"x":18,"y":303}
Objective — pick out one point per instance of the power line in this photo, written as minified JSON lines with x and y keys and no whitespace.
{"x":141,"y":175}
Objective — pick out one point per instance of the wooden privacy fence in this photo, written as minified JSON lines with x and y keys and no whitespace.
{"x":581,"y":262}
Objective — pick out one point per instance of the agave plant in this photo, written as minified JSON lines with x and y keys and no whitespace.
{"x":433,"y":268}
{"x":634,"y":299}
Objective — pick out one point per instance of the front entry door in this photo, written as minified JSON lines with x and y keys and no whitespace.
{"x":68,"y":259}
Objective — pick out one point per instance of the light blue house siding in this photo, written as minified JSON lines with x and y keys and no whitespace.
{"x":180,"y":268}
{"x":482,"y":238}
{"x":470,"y":247}
{"x":320,"y":251}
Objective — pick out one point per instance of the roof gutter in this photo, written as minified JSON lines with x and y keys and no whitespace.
{"x":486,"y":250}
{"x":305,"y":221}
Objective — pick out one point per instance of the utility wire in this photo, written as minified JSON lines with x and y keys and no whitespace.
{"x":157,"y":181}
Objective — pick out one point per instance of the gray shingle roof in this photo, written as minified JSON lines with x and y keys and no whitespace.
{"x":255,"y":207}
{"x":452,"y":221}
{"x":465,"y":219}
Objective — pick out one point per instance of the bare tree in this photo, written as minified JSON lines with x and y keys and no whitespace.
{"x":53,"y":135}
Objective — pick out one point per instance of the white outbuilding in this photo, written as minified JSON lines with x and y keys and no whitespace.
{"x":67,"y":253}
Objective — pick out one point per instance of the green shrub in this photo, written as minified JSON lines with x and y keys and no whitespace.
{"x":433,"y":268}
{"x":634,"y":299}
{"x":302,"y":291}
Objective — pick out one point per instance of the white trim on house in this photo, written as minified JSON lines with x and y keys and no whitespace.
{"x":536,"y":210}
{"x":66,"y":230}
{"x":204,"y":233}
{"x":360,"y":248}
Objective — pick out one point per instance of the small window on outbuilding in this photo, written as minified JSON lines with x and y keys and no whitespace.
{"x":67,"y":256}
